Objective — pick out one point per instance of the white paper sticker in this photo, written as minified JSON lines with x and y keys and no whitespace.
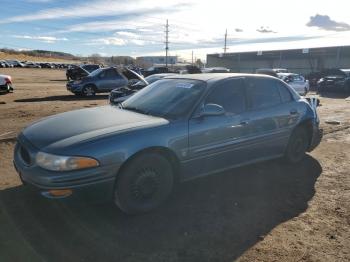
{"x":184,"y":85}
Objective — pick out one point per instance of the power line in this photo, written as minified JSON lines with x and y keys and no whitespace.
{"x":225,"y":45}
{"x":166,"y":42}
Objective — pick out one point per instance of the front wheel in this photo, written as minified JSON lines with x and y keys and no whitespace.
{"x":144,"y":184}
{"x":297,"y":145}
{"x":88,"y":90}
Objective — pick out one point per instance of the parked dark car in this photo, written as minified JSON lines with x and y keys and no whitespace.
{"x":215,"y":70}
{"x":119,"y":95}
{"x":5,"y":84}
{"x":102,"y":80}
{"x":156,"y":70}
{"x":30,"y":64}
{"x":47,"y":65}
{"x":78,"y":72}
{"x":15,"y":63}
{"x":178,"y":128}
{"x":337,"y":81}
{"x":266,"y":71}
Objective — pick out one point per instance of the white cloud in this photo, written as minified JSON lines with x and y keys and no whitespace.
{"x":127,"y":34}
{"x":39,"y":1}
{"x":198,"y":25}
{"x":99,"y":8}
{"x":107,"y":41}
{"x":116,"y":41}
{"x":46,"y":39}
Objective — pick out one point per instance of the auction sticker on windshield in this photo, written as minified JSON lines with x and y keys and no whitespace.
{"x":184,"y":85}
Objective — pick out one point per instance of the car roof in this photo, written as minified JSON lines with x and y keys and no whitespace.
{"x":213,"y":77}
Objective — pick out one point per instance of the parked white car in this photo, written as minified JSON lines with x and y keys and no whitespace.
{"x":5,"y":83}
{"x":296,"y":81}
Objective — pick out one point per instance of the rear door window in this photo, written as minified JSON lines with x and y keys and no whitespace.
{"x":262,"y":93}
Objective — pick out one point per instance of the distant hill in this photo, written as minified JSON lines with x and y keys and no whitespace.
{"x":36,"y":55}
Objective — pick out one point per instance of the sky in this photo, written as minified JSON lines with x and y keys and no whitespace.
{"x":136,"y":27}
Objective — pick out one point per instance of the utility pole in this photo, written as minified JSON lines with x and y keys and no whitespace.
{"x":225,"y":45}
{"x":192,"y":57}
{"x":166,"y":42}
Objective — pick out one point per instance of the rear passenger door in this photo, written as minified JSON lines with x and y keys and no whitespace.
{"x":270,"y":116}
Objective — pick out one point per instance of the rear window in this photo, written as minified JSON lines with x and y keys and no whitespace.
{"x":262,"y":93}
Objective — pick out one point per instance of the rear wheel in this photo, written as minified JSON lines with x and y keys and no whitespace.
{"x":88,"y":90}
{"x":297,"y":145}
{"x":144,"y":184}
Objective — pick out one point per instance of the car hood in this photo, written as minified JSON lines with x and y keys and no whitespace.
{"x":81,"y":125}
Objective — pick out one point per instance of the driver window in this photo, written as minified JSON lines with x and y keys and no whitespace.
{"x":230,"y":95}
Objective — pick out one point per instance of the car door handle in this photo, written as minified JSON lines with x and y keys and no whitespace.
{"x":244,"y":122}
{"x":293,"y":112}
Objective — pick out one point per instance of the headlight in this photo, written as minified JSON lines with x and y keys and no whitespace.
{"x":64,"y":163}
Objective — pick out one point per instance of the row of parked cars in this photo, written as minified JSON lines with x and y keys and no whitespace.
{"x":88,"y":80}
{"x":30,"y":64}
{"x":328,"y":80}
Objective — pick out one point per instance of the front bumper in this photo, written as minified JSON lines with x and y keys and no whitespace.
{"x":93,"y":184}
{"x":74,"y":88}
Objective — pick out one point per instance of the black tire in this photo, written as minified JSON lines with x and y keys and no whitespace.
{"x":297,"y":145}
{"x":88,"y":90}
{"x":144,"y":183}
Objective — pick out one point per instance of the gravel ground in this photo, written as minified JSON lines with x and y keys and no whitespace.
{"x":264,"y":212}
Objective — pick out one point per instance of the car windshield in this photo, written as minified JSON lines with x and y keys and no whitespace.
{"x":152,"y":78}
{"x":96,"y":72}
{"x":169,"y":98}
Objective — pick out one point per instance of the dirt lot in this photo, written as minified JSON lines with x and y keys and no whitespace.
{"x":264,"y":212}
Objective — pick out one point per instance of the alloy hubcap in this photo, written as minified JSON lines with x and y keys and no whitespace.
{"x":89,"y":91}
{"x":145,"y":184}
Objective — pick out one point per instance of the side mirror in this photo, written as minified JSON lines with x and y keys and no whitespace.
{"x":212,"y":110}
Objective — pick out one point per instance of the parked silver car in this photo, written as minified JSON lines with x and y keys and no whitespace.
{"x":296,"y":81}
{"x":102,"y":80}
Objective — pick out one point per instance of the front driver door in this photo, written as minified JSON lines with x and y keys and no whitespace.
{"x":215,"y":141}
